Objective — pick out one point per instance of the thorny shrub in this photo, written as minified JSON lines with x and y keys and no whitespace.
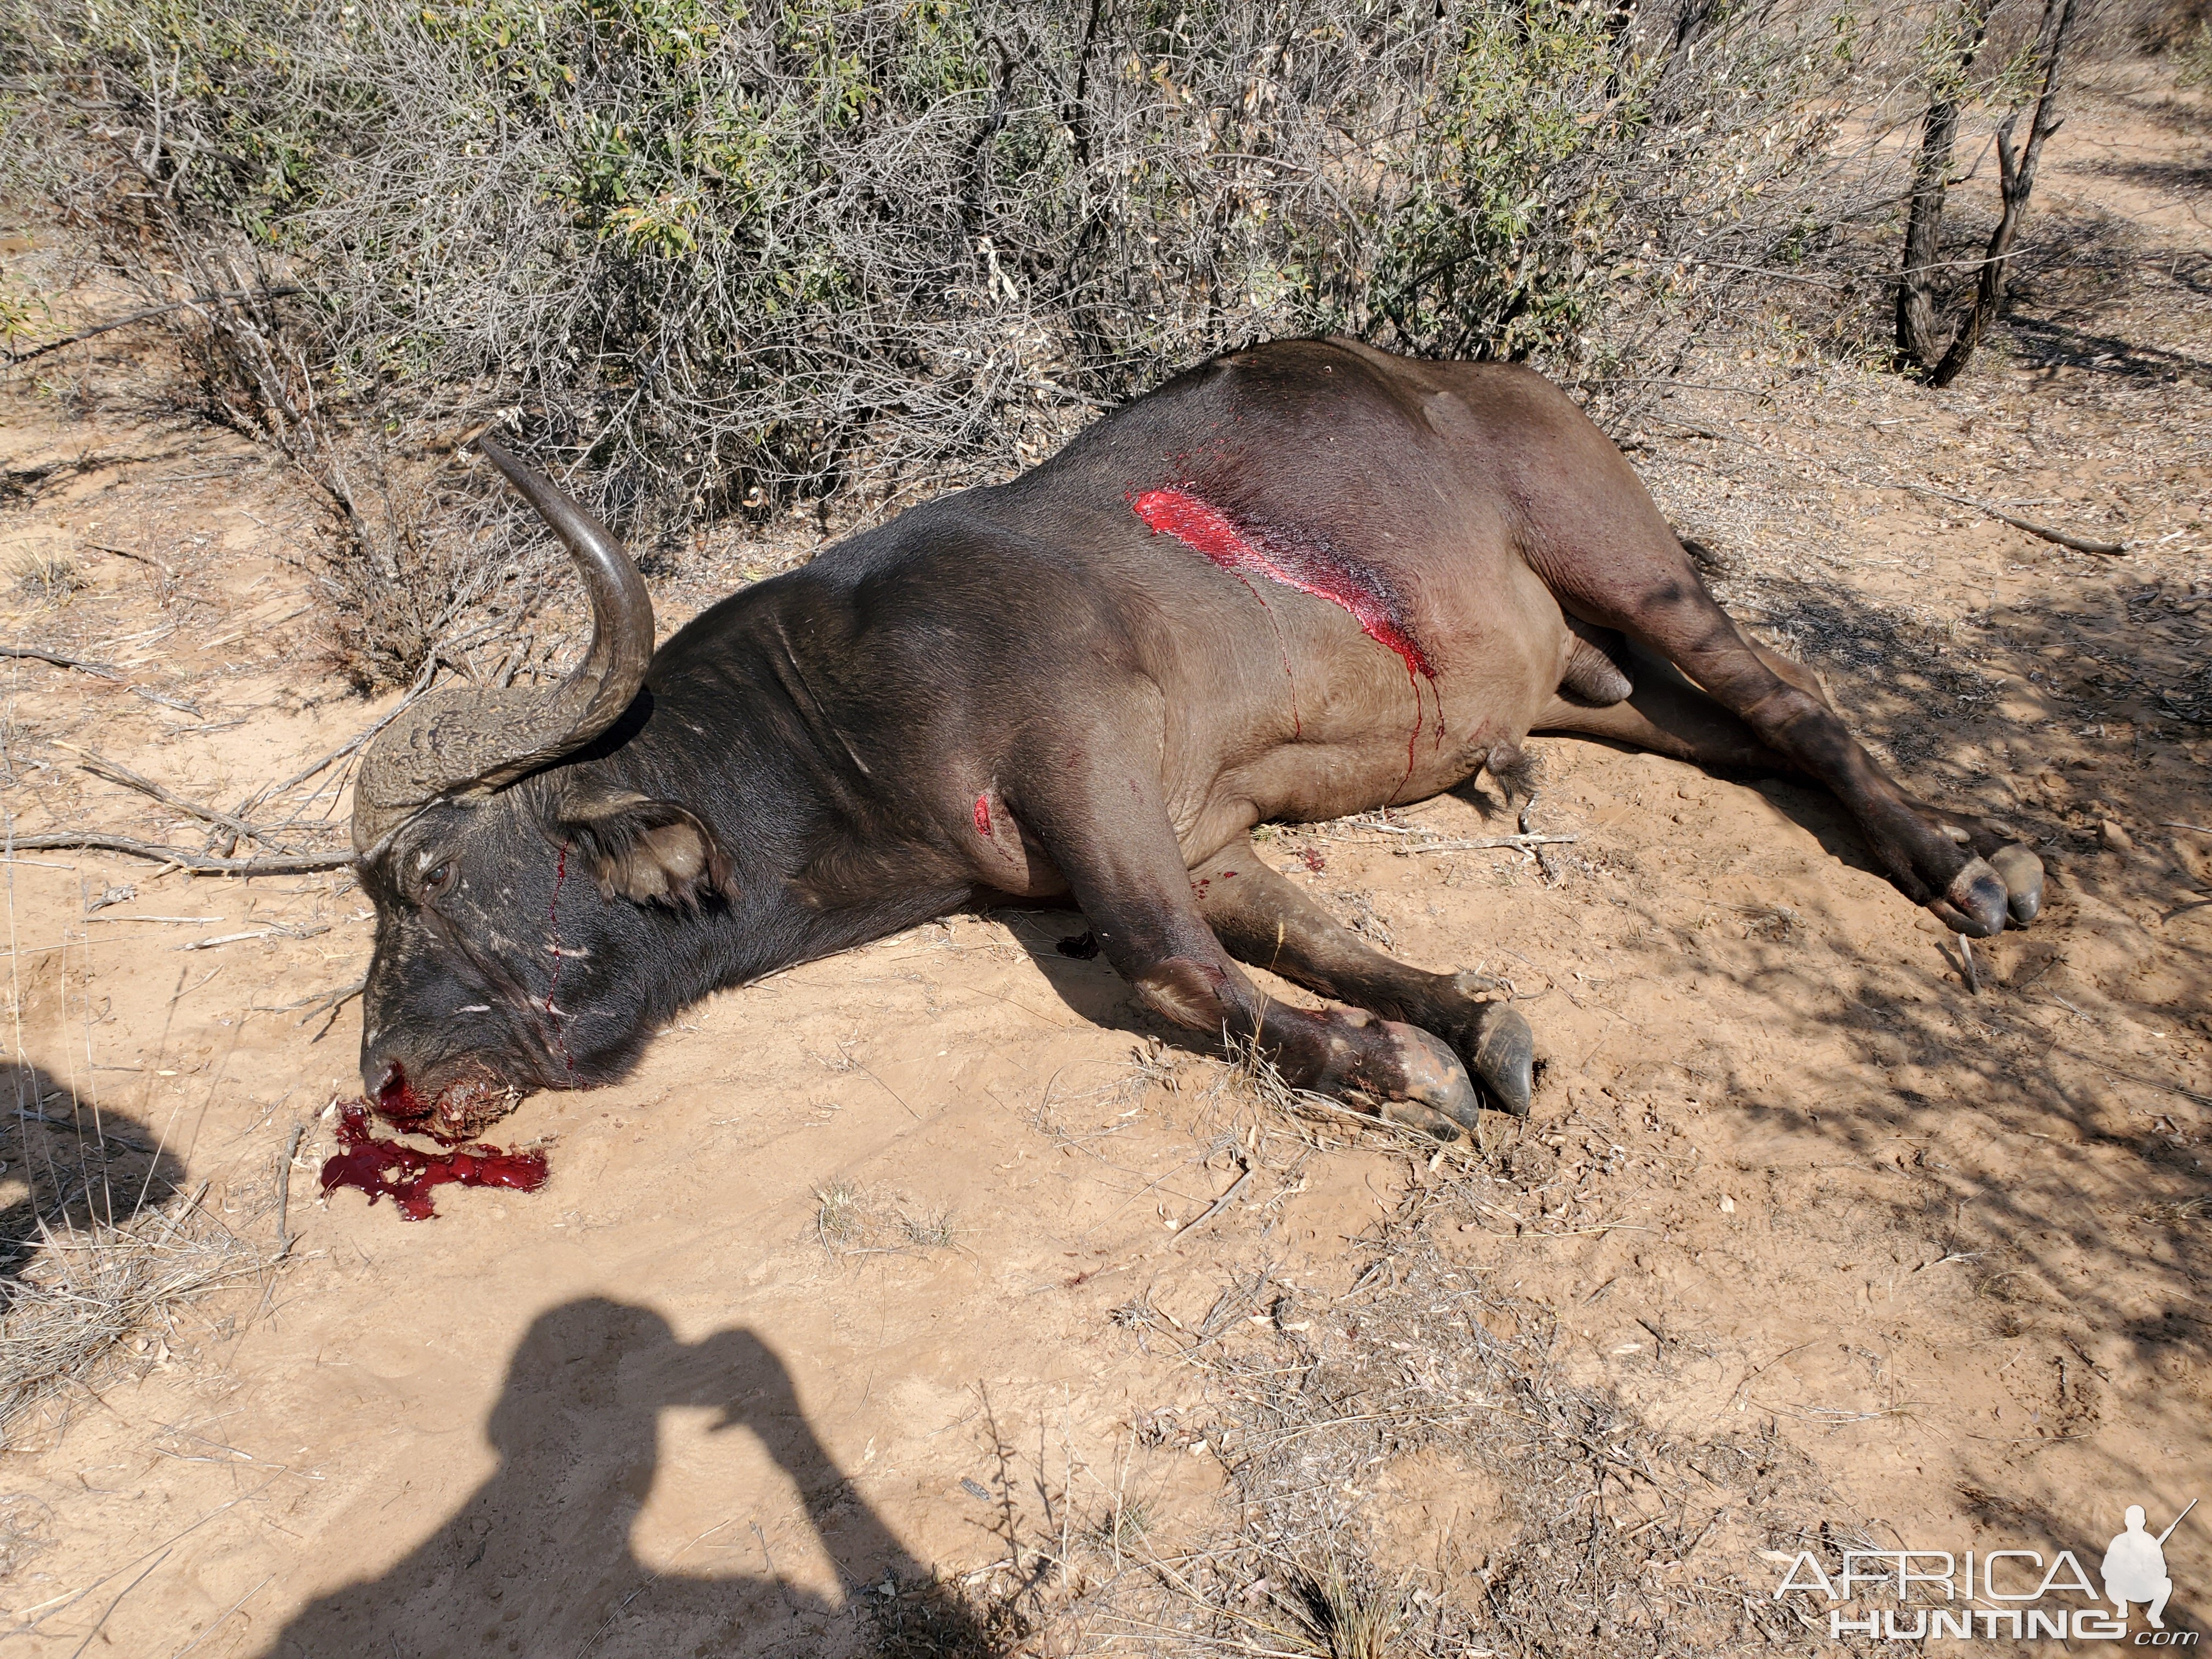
{"x":712,"y":258}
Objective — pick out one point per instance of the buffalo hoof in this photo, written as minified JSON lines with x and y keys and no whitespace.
{"x":2001,"y":887}
{"x":1505,"y":1059}
{"x":1435,"y":1094}
{"x":1975,"y":903}
{"x":1491,"y":1035}
{"x":2022,"y":871}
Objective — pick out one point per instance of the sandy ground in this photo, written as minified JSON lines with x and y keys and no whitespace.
{"x":879,"y":1267}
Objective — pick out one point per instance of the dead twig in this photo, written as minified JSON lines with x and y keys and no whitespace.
{"x":116,"y":1603}
{"x":13,"y":357}
{"x":350,"y":745}
{"x":1544,"y":862}
{"x":106,"y":670}
{"x":284,"y":1191}
{"x":169,"y":570}
{"x":331,"y":1001}
{"x":276,"y":930}
{"x":97,"y":840}
{"x":1217,"y":1206}
{"x":114,"y":773}
{"x":1488,"y":843}
{"x":2064,"y":539}
{"x":330,"y":1016}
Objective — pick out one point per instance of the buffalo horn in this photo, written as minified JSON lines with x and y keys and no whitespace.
{"x":463,"y":743}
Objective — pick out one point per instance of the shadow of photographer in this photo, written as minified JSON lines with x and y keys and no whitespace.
{"x":539,"y":1560}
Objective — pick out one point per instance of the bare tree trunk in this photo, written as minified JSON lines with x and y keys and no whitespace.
{"x":2016,"y":179}
{"x":1919,"y":342}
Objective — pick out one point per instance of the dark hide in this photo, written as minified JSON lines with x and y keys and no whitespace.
{"x":1296,"y":583}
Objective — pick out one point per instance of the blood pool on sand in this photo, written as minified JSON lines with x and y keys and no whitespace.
{"x":391,"y":1168}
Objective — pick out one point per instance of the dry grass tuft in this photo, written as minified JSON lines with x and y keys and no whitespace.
{"x":1345,"y":1620}
{"x":948,"y":1620}
{"x":1584,"y":1530}
{"x":853,"y":1221}
{"x":47,"y":577}
{"x":95,"y":1288}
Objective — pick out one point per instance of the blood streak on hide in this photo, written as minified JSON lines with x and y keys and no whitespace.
{"x":1364,"y":595}
{"x":553,"y":1016}
{"x":983,"y":815}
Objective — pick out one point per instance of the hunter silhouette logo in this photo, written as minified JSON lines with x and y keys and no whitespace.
{"x":1996,"y":1595}
{"x":2135,"y":1567}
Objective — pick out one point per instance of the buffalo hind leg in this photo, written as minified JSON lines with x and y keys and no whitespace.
{"x":1269,"y":923}
{"x":1097,"y":811}
{"x":1594,"y":537}
{"x":1667,"y":715}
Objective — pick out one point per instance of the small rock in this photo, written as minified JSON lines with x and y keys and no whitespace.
{"x":2113,"y":837}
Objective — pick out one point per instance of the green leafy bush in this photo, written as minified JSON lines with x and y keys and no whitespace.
{"x":713,"y":255}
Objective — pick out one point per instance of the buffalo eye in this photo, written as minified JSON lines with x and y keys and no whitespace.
{"x":436,"y":881}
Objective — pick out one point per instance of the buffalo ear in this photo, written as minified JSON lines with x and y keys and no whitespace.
{"x":647,"y":851}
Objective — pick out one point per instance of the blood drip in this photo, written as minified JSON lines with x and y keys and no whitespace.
{"x":1364,"y":595}
{"x":983,"y":815}
{"x":553,"y":1015}
{"x":390,"y":1169}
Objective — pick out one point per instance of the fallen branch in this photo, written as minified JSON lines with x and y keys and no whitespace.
{"x":114,"y":773}
{"x":106,"y":670}
{"x":1216,"y":1208}
{"x":2064,"y":539}
{"x":290,"y":864}
{"x":1517,"y":843}
{"x":141,"y":316}
{"x":284,"y":1191}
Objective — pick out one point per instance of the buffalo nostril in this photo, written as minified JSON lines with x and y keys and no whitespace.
{"x":394,"y":1098}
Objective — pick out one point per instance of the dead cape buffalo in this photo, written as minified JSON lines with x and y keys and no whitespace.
{"x":1300,"y":581}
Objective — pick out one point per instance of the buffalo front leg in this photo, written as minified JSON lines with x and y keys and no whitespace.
{"x":1265,"y":920}
{"x":1103,"y":825}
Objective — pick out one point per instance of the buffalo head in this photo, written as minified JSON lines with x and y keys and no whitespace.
{"x":513,"y":881}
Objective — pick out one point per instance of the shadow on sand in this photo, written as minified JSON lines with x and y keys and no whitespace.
{"x":539,"y":1562}
{"x":82,"y":1164}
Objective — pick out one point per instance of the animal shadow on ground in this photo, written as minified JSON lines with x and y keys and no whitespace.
{"x":80,"y":1164}
{"x":539,"y":1560}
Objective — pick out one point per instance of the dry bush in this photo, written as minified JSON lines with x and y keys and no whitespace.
{"x":711,"y":260}
{"x":823,"y":245}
